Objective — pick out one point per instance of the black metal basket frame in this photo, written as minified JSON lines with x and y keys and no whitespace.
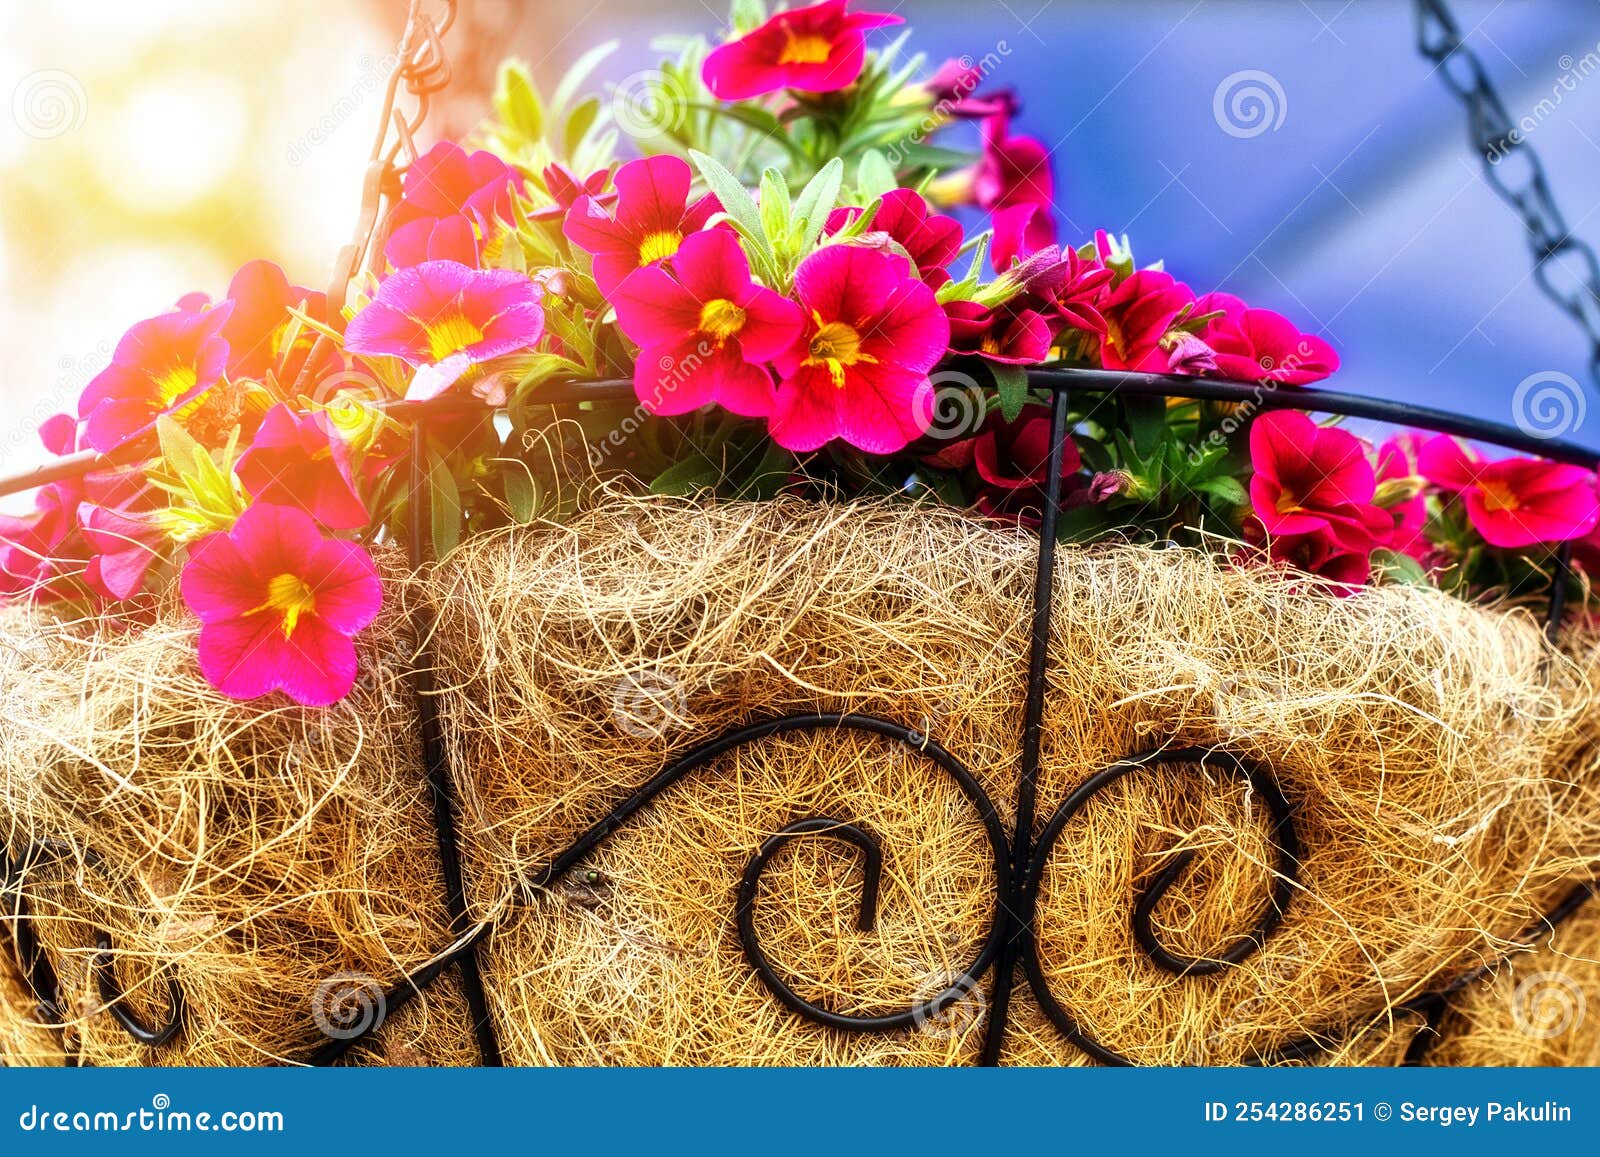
{"x":1020,"y":854}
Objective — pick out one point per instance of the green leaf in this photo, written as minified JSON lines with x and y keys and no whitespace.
{"x":516,"y":101}
{"x":522,"y":489}
{"x":1224,"y":489}
{"x":1012,"y":384}
{"x":736,"y":201}
{"x":747,"y":15}
{"x":1147,"y":422}
{"x":817,"y":200}
{"x":444,"y":507}
{"x":580,"y":122}
{"x":933,"y":157}
{"x":874,"y":175}
{"x":685,"y":477}
{"x":1395,"y":566}
{"x":578,"y":73}
{"x":774,"y":204}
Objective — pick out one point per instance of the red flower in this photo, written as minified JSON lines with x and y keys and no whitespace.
{"x":860,"y":369}
{"x":125,"y":548}
{"x":705,"y":337}
{"x":1397,"y":461}
{"x":932,"y":239}
{"x":952,"y":89}
{"x":1514,"y":502}
{"x":1258,"y":345}
{"x":447,"y":182}
{"x":278,"y":604}
{"x":1138,"y":314}
{"x":1013,"y":170}
{"x":161,"y":366}
{"x":652,"y":218}
{"x":255,"y":330}
{"x":1018,"y":337}
{"x":815,"y":49}
{"x":300,"y":460}
{"x":1312,"y":495}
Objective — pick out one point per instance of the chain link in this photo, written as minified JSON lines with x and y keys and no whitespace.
{"x":1495,"y":138}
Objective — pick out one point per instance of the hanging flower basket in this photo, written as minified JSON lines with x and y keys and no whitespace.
{"x":703,"y":610}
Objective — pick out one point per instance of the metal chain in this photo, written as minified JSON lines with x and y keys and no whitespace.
{"x":424,"y":67}
{"x":1496,"y":139}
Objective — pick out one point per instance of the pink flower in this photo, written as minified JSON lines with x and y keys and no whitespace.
{"x":447,"y":320}
{"x":1311,"y":479}
{"x":1138,"y":314}
{"x":1019,"y":231}
{"x":258,"y":324}
{"x":932,"y":239}
{"x":653,"y":216}
{"x":451,"y":187}
{"x":161,"y":366}
{"x":815,"y":49}
{"x":301,"y":460}
{"x":860,"y":368}
{"x":1016,"y":455}
{"x":1017,"y":337}
{"x":706,"y":336}
{"x":1013,"y":170}
{"x":1513,"y":502}
{"x":1397,"y":461}
{"x":278,"y":604}
{"x":1258,"y":345}
{"x":125,"y":547}
{"x":952,"y":89}
{"x":564,"y":188}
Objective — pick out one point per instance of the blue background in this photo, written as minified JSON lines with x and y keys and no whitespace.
{"x":1363,"y":216}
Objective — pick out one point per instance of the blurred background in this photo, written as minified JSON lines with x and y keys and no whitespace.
{"x":1299,"y":153}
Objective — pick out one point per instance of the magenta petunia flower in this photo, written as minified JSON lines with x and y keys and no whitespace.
{"x":278,"y":604}
{"x":1514,"y":502}
{"x":1019,"y":231}
{"x":1258,"y":345}
{"x":859,"y":370}
{"x":1017,"y":337}
{"x":706,"y":336}
{"x":1138,"y":313}
{"x":1312,"y":479}
{"x":301,"y":460}
{"x":161,"y":366}
{"x":125,"y":548}
{"x":953,"y":90}
{"x":447,"y":319}
{"x":444,"y":184}
{"x":653,"y":216}
{"x":817,"y":49}
{"x":932,"y":239}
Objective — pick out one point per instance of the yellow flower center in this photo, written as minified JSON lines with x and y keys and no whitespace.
{"x":721,"y":319}
{"x":450,"y":334}
{"x":1498,"y":496}
{"x":806,"y":48}
{"x":658,"y":246}
{"x":288,"y":595}
{"x":836,"y":345}
{"x":1288,"y":502}
{"x":175,"y":383}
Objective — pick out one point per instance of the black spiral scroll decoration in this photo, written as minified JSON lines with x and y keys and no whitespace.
{"x":112,"y":996}
{"x":1281,"y":835}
